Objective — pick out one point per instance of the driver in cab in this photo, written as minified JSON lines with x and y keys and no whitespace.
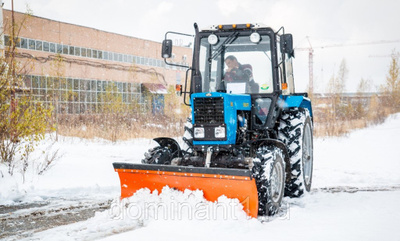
{"x":237,"y":72}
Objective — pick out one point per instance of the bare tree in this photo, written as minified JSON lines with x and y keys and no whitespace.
{"x":391,"y":88}
{"x":336,"y":87}
{"x":22,"y":121}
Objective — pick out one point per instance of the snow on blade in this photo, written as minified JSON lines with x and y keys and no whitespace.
{"x":172,"y":204}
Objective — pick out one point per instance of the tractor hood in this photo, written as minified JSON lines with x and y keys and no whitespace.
{"x":214,"y":117}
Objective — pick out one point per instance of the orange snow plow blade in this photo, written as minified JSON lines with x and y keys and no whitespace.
{"x":214,"y":182}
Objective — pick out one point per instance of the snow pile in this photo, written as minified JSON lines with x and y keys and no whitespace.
{"x":171,"y":204}
{"x":145,"y":208}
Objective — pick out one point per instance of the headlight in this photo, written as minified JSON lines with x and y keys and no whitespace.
{"x":219,"y":132}
{"x":255,"y":38}
{"x":212,"y":39}
{"x":198,"y":132}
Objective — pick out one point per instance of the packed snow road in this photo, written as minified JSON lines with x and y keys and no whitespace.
{"x":356,"y":189}
{"x":21,"y":220}
{"x":367,"y":214}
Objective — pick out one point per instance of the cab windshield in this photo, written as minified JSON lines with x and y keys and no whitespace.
{"x":236,"y":65}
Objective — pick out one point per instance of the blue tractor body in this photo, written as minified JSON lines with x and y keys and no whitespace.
{"x":250,"y":132}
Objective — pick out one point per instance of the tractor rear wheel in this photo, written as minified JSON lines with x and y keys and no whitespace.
{"x":269,"y":173}
{"x":295,"y":131}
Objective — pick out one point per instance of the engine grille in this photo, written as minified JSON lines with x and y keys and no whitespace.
{"x":208,"y":110}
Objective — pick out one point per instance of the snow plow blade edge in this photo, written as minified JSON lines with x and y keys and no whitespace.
{"x":214,"y":182}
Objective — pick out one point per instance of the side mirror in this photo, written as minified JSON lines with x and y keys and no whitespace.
{"x":166,"y":51}
{"x":287,"y":44}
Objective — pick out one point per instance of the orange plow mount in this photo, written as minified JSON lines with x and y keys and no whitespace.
{"x":214,"y":182}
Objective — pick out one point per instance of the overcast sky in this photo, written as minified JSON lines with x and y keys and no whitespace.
{"x":348,"y":23}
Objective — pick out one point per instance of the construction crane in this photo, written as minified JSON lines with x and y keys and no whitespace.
{"x":311,"y":49}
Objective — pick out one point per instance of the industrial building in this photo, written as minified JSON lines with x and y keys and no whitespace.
{"x":73,"y":66}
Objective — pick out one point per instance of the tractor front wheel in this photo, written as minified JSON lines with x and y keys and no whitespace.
{"x":158,"y":155}
{"x":269,"y":173}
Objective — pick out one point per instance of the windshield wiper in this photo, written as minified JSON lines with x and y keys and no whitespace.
{"x":230,"y":39}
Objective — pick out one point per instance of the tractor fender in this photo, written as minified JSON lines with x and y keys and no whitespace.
{"x":299,"y":101}
{"x":170,"y":144}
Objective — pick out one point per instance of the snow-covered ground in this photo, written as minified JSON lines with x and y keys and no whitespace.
{"x":348,"y":201}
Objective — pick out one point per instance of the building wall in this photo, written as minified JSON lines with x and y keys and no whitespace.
{"x":37,"y":28}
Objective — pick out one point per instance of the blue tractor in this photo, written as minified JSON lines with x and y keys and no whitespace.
{"x":249,"y":135}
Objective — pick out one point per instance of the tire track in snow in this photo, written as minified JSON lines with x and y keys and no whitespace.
{"x":350,"y":189}
{"x":19,"y":221}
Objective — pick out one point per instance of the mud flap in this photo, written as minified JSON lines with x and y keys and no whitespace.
{"x":214,"y":182}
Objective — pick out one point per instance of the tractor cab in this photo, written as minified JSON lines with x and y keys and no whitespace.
{"x":250,"y":60}
{"x":261,"y":60}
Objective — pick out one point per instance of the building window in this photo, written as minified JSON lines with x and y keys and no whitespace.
{"x":39,"y":45}
{"x":31,"y":44}
{"x":76,"y":84}
{"x":46,"y":46}
{"x":83,"y":52}
{"x":59,"y":48}
{"x":70,"y":84}
{"x":77,"y":51}
{"x":24,"y":43}
{"x":17,"y":42}
{"x":7,"y":41}
{"x":99,"y":86}
{"x":77,"y":96}
{"x":93,"y":83}
{"x":94,"y":53}
{"x":88,"y":53}
{"x":65,"y":49}
{"x":52,"y":47}
{"x":120,"y":87}
{"x":88,"y":85}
